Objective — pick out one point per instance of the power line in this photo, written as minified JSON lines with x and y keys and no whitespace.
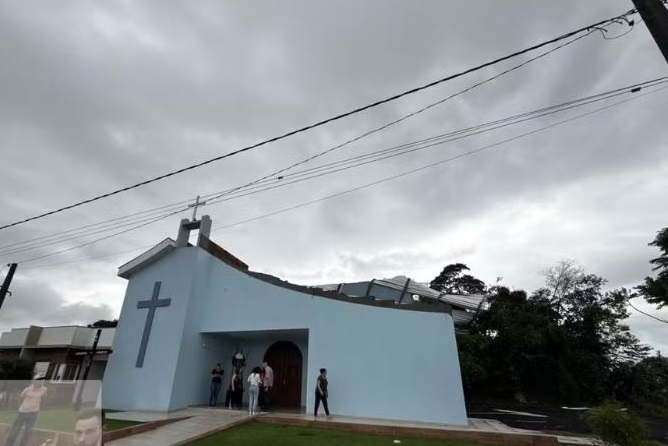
{"x":428,"y":166}
{"x":646,"y":314}
{"x":52,"y":265}
{"x":329,"y":120}
{"x":164,"y":208}
{"x":87,"y":233}
{"x":425,"y":143}
{"x":54,"y":237}
{"x":407,"y":116}
{"x":101,"y":239}
{"x":434,"y":141}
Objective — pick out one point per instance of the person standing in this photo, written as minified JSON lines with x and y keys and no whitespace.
{"x":321,"y":393}
{"x":267,"y":384}
{"x":31,"y":399}
{"x":238,"y":395}
{"x":216,"y":381}
{"x":229,"y":395}
{"x":260,"y":400}
{"x":254,"y":382}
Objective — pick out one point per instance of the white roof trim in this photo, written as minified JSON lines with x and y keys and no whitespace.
{"x":157,"y":252}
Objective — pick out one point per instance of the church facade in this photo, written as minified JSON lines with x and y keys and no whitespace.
{"x":189,"y":307}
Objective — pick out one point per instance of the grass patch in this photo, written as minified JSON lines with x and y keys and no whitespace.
{"x":61,"y":420}
{"x":569,"y":434}
{"x":114,"y":425}
{"x":52,"y":419}
{"x":260,"y":434}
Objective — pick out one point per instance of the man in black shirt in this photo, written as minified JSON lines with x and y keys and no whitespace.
{"x":216,"y":381}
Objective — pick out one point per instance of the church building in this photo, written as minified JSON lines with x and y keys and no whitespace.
{"x":388,"y":353}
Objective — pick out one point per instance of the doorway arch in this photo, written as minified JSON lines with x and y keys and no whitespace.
{"x":285,"y":358}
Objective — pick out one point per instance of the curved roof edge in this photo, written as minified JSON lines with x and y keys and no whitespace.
{"x":428,"y":307}
{"x":168,"y":245}
{"x":146,"y":258}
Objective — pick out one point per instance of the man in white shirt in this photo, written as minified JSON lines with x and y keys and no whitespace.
{"x":31,"y":400}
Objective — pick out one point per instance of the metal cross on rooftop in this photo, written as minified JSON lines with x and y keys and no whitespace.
{"x":195,"y":205}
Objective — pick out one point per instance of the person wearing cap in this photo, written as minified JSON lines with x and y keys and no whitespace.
{"x":31,"y":399}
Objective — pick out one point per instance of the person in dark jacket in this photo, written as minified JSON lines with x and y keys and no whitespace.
{"x":216,"y":382}
{"x":321,"y":393}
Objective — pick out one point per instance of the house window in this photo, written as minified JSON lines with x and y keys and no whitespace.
{"x":64,"y":372}
{"x":41,"y":368}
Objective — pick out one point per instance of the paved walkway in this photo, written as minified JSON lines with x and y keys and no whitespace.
{"x":202,"y":423}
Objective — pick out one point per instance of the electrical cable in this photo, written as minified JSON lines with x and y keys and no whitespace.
{"x":329,"y":120}
{"x":100,"y":239}
{"x":428,"y":166}
{"x":646,"y":314}
{"x":403,"y":118}
{"x":404,"y":149}
{"x":317,"y":172}
{"x":3,"y":249}
{"x":163,"y":208}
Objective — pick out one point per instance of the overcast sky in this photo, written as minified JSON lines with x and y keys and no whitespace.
{"x":100,"y":95}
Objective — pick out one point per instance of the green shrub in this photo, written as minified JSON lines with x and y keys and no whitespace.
{"x":652,"y":443}
{"x":612,"y":425}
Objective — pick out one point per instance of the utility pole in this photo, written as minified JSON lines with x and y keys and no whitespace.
{"x":89,"y":356}
{"x":5,"y":286}
{"x":655,"y":16}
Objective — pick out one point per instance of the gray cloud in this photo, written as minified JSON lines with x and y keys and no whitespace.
{"x":36,"y":302}
{"x":98,"y":96}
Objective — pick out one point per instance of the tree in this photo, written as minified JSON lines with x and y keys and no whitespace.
{"x":561,"y":279}
{"x":655,"y":290}
{"x":104,"y":324}
{"x":598,"y":341}
{"x":566,"y":342}
{"x":452,"y":280}
{"x":650,"y":382}
{"x":522,"y":340}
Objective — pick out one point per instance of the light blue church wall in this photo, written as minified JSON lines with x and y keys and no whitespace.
{"x":192,"y":381}
{"x":151,"y":386}
{"x":382,"y":362}
{"x":201,"y":350}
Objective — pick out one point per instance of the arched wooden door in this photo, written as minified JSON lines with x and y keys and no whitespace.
{"x":286,"y":360}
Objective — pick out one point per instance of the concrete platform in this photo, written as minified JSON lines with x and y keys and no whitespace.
{"x":202,"y":422}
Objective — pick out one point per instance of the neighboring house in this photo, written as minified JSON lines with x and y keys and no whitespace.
{"x":188,"y":307}
{"x":61,"y":355}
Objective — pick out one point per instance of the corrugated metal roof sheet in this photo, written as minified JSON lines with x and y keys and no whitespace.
{"x":471,"y":302}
